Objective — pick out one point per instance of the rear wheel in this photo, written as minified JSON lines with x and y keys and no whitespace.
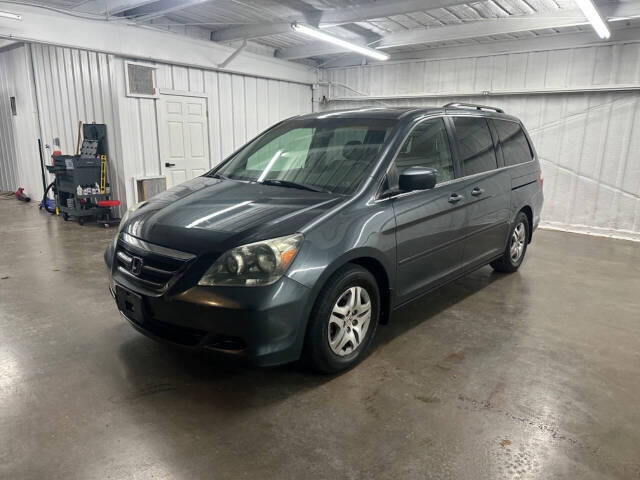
{"x":516,"y":246}
{"x":343,"y":320}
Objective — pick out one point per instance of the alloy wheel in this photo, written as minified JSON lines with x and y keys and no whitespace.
{"x":518,"y":239}
{"x":349,"y":321}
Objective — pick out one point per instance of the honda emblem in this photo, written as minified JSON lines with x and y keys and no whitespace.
{"x":136,"y":265}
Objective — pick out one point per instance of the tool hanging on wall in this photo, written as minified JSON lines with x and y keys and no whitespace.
{"x":103,"y":174}
{"x":79,"y":137}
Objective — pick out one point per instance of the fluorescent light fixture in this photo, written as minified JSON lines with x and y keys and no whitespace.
{"x":326,"y":37}
{"x":13,"y":16}
{"x":597,"y":22}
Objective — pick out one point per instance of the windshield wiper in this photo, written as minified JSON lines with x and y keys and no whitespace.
{"x":220,"y":176}
{"x":286,"y":183}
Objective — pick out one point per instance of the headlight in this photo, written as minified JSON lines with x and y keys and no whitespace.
{"x":255,"y":264}
{"x":126,"y":215}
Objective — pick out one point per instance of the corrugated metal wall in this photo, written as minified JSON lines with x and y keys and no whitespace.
{"x":8,"y":165}
{"x":16,"y":139}
{"x":588,"y":141}
{"x":606,"y":66}
{"x":239,"y":108}
{"x":76,"y":85}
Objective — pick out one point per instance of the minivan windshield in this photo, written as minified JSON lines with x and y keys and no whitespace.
{"x":328,"y":155}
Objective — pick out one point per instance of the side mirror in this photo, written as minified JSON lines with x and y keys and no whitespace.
{"x":417,"y":178}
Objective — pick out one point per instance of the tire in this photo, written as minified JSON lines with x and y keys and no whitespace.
{"x":65,"y":216}
{"x":81,"y":220}
{"x":330,"y":338}
{"x":514,"y":255}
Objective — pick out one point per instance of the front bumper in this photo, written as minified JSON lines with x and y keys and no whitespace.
{"x":263,"y":325}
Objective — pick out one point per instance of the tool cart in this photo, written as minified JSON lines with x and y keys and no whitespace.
{"x":81,"y":180}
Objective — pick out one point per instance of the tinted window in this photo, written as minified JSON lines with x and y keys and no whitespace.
{"x":427,"y":146}
{"x":475,"y":145}
{"x":515,"y":147}
{"x":293,"y":147}
{"x":329,"y":154}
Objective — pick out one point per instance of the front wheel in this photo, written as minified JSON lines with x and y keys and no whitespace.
{"x":343,"y":320}
{"x":516,"y":246}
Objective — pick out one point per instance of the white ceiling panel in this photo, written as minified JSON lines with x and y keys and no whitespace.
{"x":232,"y":19}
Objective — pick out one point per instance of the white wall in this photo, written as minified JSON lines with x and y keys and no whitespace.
{"x":16,"y":139}
{"x":588,"y":141}
{"x":75,"y":85}
{"x":239,"y":108}
{"x":126,"y":40}
{"x":8,"y":167}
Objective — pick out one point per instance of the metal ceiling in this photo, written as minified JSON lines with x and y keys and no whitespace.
{"x":206,"y":16}
{"x":227,"y":13}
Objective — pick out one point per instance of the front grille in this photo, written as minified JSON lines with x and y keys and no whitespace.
{"x":150,"y":266}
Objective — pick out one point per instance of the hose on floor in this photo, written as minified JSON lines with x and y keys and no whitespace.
{"x":46,"y":203}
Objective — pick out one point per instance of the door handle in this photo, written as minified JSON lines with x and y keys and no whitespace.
{"x":455,"y":198}
{"x":477,"y":191}
{"x":167,"y":164}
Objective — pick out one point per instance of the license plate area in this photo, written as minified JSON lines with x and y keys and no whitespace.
{"x":131,"y":304}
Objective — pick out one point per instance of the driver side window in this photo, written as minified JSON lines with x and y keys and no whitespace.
{"x":427,"y":146}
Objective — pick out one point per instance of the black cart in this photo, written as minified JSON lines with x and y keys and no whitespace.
{"x":85,"y":171}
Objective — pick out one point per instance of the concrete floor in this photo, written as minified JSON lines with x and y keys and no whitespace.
{"x":532,"y":375}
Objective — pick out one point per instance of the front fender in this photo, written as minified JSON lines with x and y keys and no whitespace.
{"x":364,"y":232}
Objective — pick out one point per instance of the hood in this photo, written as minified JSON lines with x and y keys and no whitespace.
{"x":207,"y":215}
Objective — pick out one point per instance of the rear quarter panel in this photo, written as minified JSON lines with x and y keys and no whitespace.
{"x":526,"y":190}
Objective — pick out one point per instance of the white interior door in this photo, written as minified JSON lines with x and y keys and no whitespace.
{"x":184,"y":141}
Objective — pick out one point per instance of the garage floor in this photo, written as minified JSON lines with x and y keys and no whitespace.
{"x":533,"y":375}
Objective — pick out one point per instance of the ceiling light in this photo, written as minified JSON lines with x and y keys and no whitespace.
{"x":326,"y":37}
{"x":597,"y":22}
{"x":13,"y":16}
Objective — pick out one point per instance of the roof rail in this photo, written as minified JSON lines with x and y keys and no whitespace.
{"x":472,"y":105}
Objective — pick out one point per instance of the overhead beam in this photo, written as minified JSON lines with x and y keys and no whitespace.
{"x":112,"y":7}
{"x":157,"y":8}
{"x":247,"y":32}
{"x":481,"y":28}
{"x":384,"y":8}
{"x":6,"y":43}
{"x":355,"y":13}
{"x":537,"y":44}
{"x":137,"y":42}
{"x":314,"y":49}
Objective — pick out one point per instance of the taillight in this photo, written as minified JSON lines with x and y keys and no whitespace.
{"x":541,"y":180}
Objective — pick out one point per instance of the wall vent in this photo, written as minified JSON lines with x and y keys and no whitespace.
{"x":141,"y":80}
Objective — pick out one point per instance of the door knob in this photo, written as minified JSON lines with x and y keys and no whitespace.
{"x":167,"y":164}
{"x":477,"y":191}
{"x":455,"y":198}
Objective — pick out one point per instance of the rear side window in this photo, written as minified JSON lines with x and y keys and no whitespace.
{"x":475,"y":145}
{"x":427,"y":146}
{"x":514,"y":143}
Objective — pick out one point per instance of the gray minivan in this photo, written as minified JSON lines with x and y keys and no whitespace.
{"x":306,"y":238}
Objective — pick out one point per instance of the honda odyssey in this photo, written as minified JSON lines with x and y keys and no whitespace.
{"x":305,"y":239}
